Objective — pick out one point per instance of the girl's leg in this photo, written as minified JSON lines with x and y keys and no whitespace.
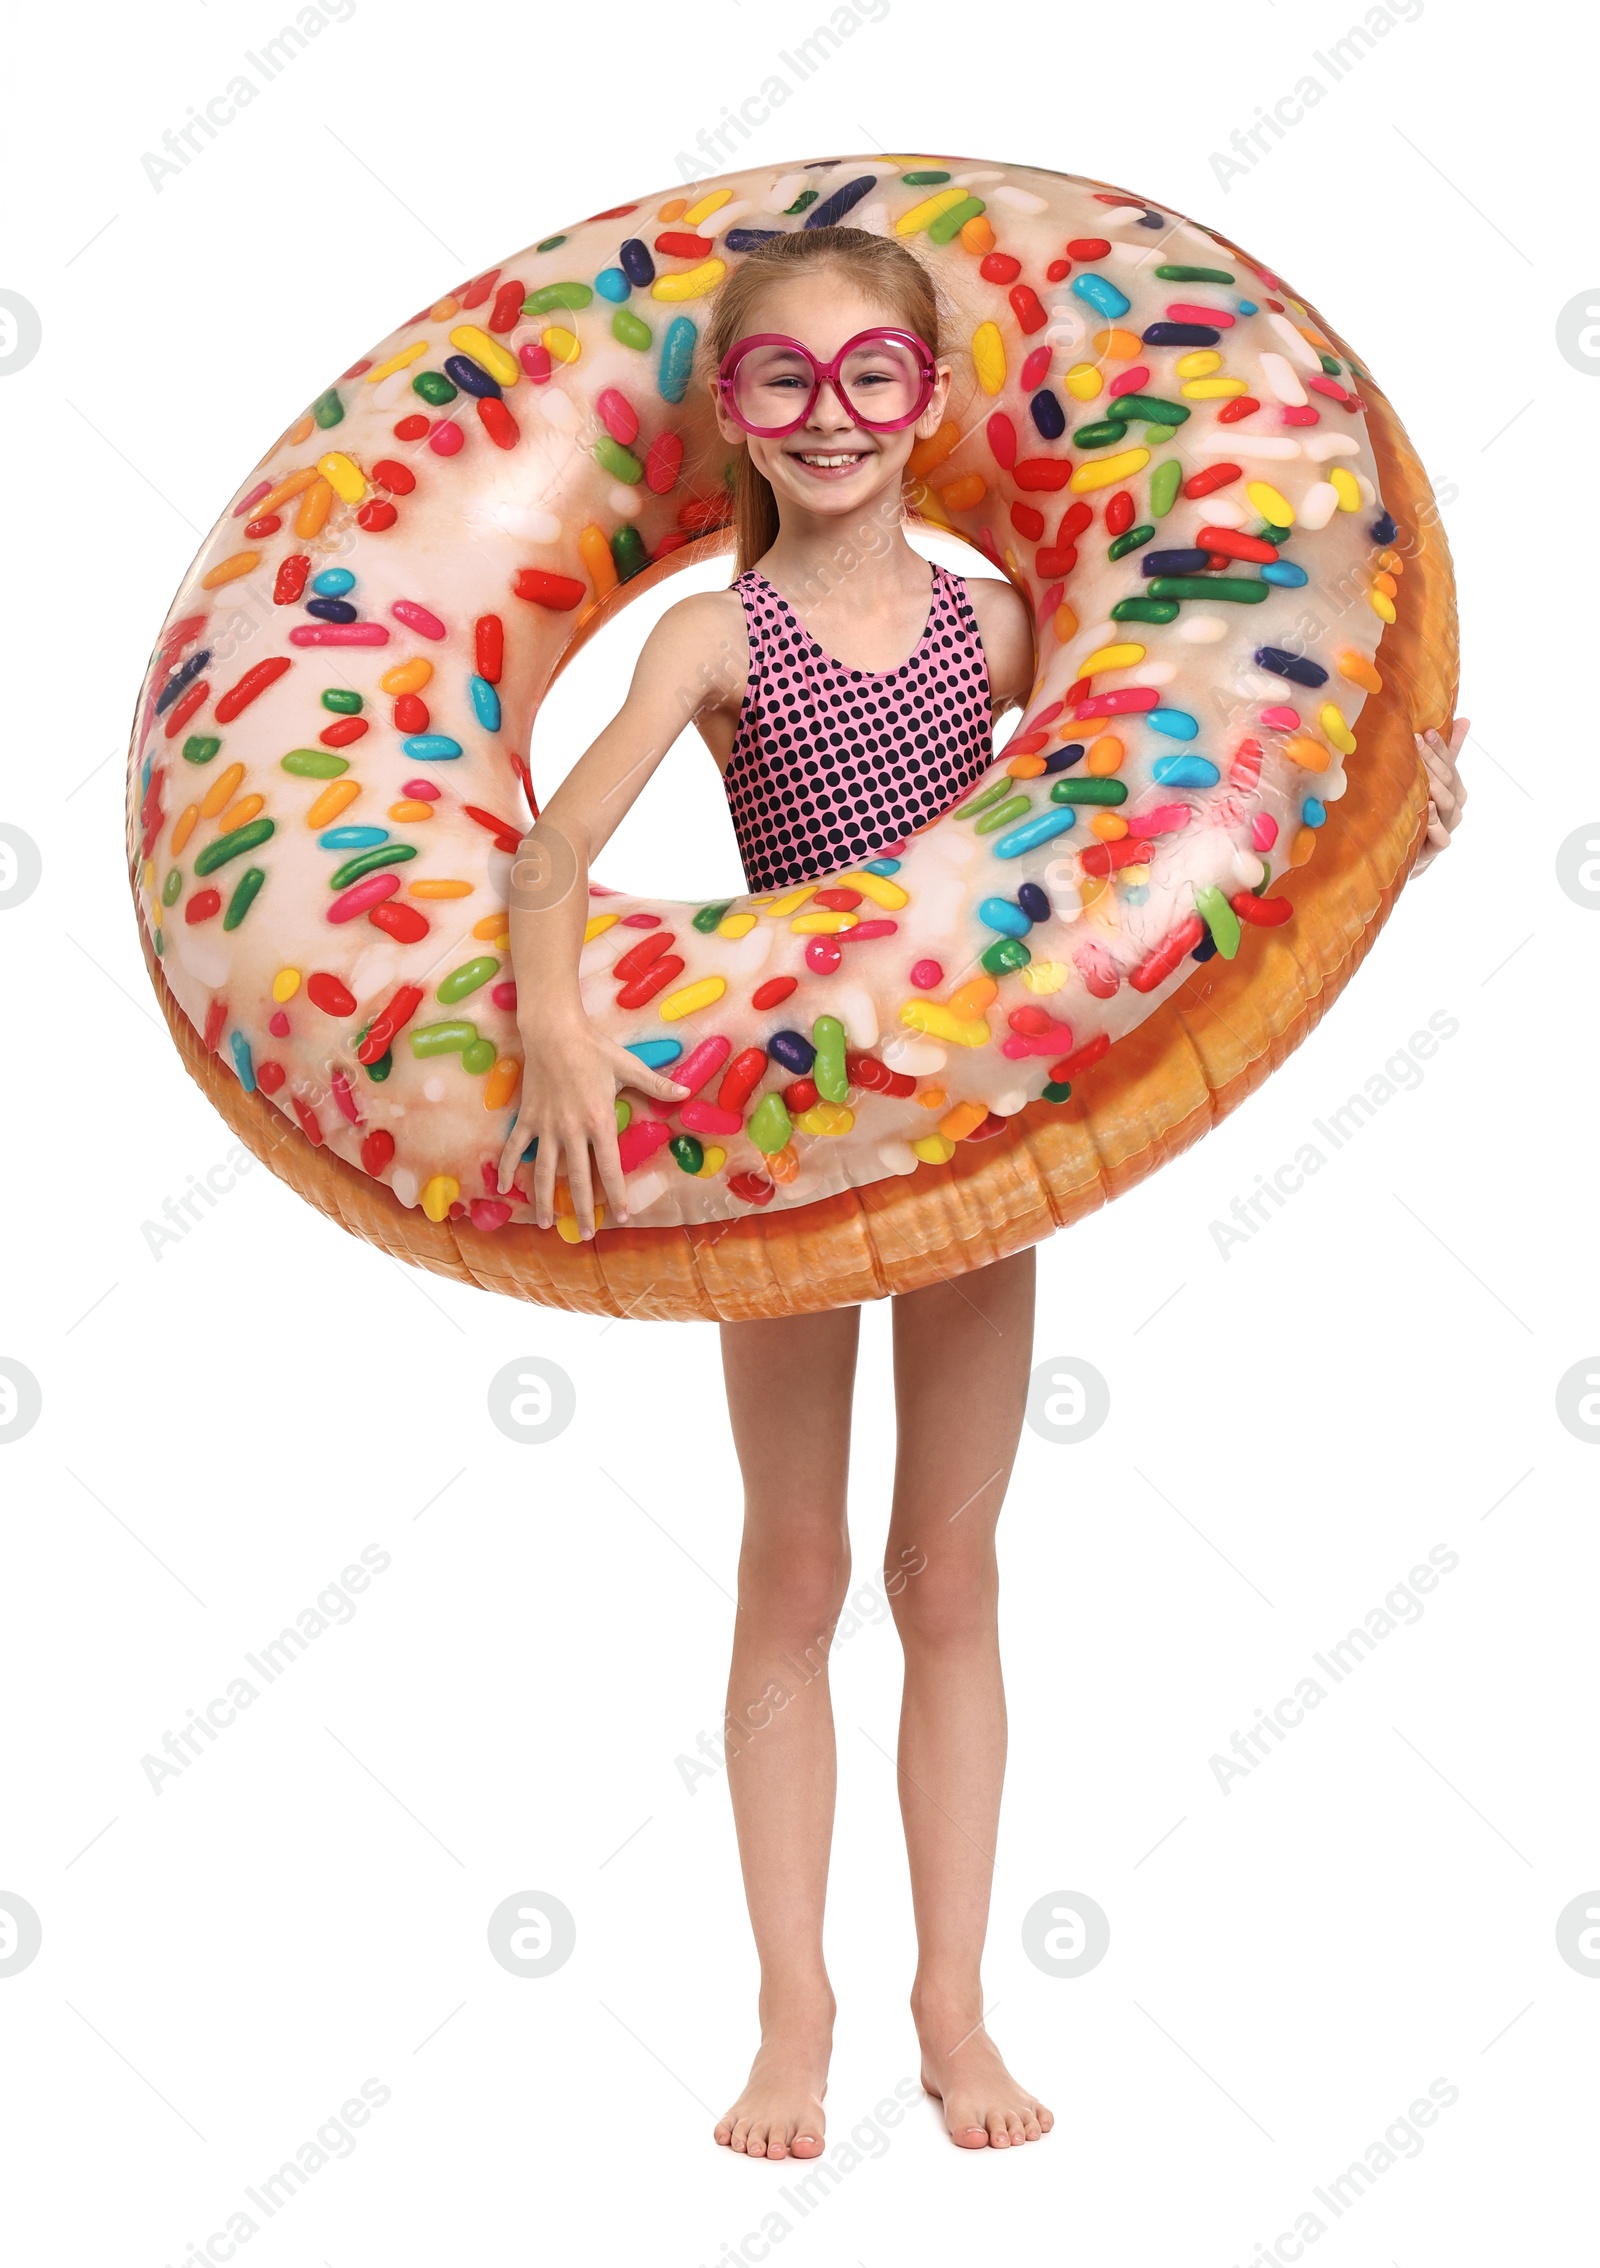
{"x":789,"y":1383}
{"x":963,"y":1352}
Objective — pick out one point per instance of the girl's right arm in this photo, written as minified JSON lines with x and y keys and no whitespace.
{"x":692,"y":662}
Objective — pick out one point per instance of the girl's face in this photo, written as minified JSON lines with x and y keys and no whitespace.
{"x":830,"y":464}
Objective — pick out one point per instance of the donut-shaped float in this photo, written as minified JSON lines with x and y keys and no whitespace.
{"x":1244,"y":610}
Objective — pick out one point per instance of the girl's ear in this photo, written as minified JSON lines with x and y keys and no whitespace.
{"x":929,"y":422}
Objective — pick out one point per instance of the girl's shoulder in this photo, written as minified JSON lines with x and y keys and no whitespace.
{"x":704,"y":636}
{"x":1006,"y":628}
{"x":995,"y":601}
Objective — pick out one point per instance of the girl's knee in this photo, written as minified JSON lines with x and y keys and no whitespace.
{"x":943,"y":1599}
{"x":795,"y":1578}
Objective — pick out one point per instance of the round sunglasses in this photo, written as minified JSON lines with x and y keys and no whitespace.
{"x":883,"y":377}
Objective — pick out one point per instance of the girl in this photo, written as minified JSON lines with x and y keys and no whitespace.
{"x":847,"y":694}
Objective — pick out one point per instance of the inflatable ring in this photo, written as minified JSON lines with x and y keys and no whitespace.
{"x":962,"y":1043}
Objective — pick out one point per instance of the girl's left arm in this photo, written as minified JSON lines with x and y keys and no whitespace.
{"x":1007,"y":636}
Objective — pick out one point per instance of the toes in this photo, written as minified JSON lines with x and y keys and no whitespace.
{"x":970,"y":2137}
{"x":1014,"y":2126}
{"x":1031,"y":2129}
{"x":756,"y":2137}
{"x":1046,"y":2118}
{"x":999,"y":2139}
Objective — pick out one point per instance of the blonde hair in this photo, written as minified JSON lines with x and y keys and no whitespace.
{"x":878,"y":266}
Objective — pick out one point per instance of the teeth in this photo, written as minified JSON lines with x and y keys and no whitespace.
{"x":854,"y":458}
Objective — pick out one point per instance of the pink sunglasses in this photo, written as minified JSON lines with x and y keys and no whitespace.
{"x":893,"y":370}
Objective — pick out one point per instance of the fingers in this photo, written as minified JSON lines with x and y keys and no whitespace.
{"x":575,"y":1142}
{"x":630,"y":1072}
{"x":1446,"y":788}
{"x":1436,"y":837}
{"x":611,"y":1175}
{"x":1445,"y":791}
{"x":544,"y":1177}
{"x":580,"y":1183}
{"x":1449,"y":794}
{"x":1446,"y":748}
{"x":510,"y":1158}
{"x":552,"y":1148}
{"x":517,"y":1142}
{"x":1433,"y":751}
{"x":565,"y":1146}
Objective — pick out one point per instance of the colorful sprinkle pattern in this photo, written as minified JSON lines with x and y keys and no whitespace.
{"x":329,"y":772}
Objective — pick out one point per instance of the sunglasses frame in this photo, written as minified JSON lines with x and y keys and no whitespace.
{"x":825,"y":375}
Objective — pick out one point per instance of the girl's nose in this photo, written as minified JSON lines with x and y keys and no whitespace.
{"x":828,"y":413}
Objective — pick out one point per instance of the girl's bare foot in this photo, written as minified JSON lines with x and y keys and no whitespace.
{"x":984,"y":2107}
{"x":780,"y":2115}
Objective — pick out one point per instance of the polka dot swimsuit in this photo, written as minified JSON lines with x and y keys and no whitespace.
{"x":832,"y":766}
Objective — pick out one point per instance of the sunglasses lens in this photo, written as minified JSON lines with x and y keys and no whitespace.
{"x":881,"y":379}
{"x":770,"y":385}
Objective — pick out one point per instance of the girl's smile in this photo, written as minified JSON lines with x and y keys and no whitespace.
{"x":832,"y":464}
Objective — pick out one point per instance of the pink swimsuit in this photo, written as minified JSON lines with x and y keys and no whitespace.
{"x":833,"y":766}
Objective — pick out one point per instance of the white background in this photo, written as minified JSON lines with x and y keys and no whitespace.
{"x":1292,"y":1427}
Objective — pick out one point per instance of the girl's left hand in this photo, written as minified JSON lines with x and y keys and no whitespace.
{"x":1446,"y":794}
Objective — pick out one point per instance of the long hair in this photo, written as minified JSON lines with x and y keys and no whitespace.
{"x":877,"y":265}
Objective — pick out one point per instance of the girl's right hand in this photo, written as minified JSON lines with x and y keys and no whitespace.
{"x":570,"y":1076}
{"x":1440,"y":755}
